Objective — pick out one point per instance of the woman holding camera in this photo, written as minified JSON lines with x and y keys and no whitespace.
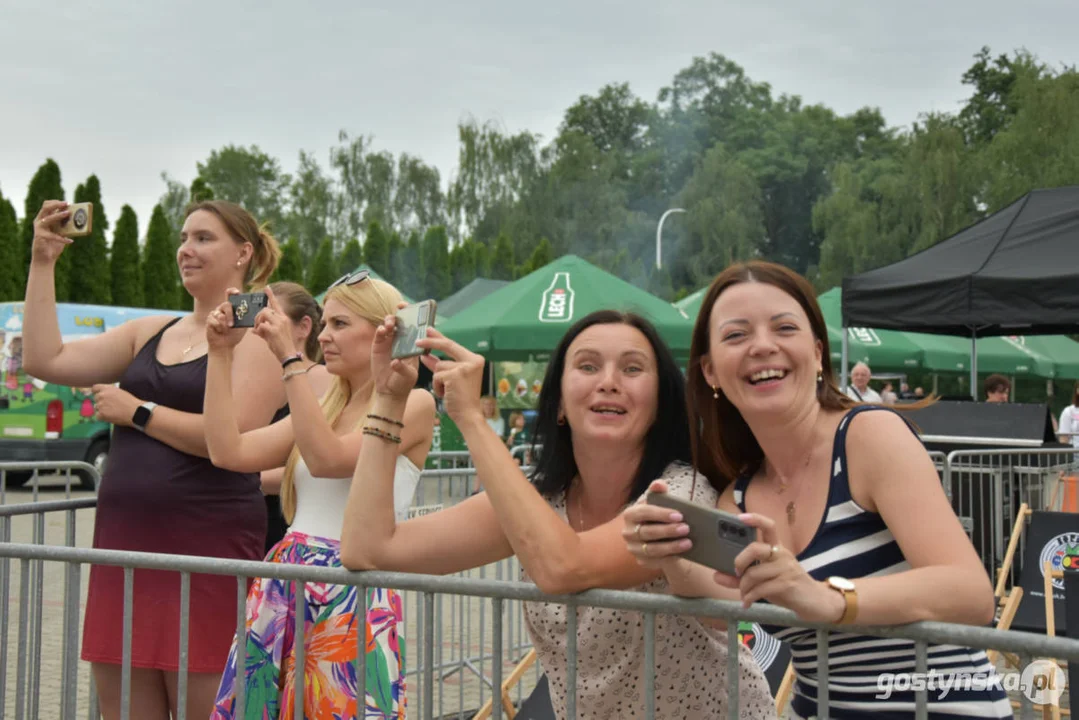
{"x":160,"y":493}
{"x":841,"y":494}
{"x":318,"y":444}
{"x":611,"y":419}
{"x":305,"y":322}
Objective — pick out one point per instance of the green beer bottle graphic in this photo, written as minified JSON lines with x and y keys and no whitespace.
{"x":557,"y":303}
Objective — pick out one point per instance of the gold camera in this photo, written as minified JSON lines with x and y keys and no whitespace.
{"x":80,"y":222}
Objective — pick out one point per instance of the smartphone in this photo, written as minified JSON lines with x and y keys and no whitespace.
{"x":718,"y":537}
{"x":245,"y":306}
{"x":80,"y":222}
{"x":412,"y":324}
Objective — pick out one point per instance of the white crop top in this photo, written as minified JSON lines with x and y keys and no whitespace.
{"x":320,"y":502}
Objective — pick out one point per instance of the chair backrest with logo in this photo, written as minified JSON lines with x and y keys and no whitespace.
{"x":1052,"y":537}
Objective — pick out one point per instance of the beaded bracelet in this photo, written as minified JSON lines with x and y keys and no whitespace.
{"x":367,"y":430}
{"x":391,"y":421}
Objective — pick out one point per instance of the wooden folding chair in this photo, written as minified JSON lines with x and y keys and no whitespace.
{"x":514,"y":677}
{"x":1008,"y":602}
{"x":783,"y":695}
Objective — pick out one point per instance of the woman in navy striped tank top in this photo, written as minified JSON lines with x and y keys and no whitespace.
{"x":854,"y":526}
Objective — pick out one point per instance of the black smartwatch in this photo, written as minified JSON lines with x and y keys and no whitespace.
{"x":142,"y":415}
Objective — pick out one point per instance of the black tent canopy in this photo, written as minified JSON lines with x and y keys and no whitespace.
{"x":1016,"y":272}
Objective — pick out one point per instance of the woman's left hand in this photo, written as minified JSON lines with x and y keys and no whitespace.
{"x":272,"y":324}
{"x":113,"y":405}
{"x":779,"y":578}
{"x":394,"y":377}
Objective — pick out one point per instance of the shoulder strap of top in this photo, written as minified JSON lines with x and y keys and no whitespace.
{"x":156,"y":337}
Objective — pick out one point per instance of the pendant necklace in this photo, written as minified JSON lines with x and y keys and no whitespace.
{"x":792,"y":504}
{"x":193,"y":345}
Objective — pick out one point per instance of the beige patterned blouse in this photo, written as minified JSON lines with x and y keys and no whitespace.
{"x":691,"y":659}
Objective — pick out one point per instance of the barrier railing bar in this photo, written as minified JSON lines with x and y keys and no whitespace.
{"x":428,"y":655}
{"x":241,"y":647}
{"x":649,"y":667}
{"x":496,"y":661}
{"x":185,"y":623}
{"x":24,"y":617}
{"x":299,"y":652}
{"x":125,"y":666}
{"x":823,"y":662}
{"x":733,"y":672}
{"x":921,"y":667}
{"x":571,"y":661}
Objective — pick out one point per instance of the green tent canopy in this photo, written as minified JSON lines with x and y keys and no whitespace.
{"x":466,"y":296}
{"x":374,"y":274}
{"x":882,"y":350}
{"x":528,"y":317}
{"x":691,"y":304}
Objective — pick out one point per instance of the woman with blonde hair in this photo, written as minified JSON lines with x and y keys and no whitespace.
{"x":319,"y":446}
{"x":160,"y":493}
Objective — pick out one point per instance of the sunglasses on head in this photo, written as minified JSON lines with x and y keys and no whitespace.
{"x":351,"y":278}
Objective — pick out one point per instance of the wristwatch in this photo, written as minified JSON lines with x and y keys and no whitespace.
{"x":142,"y":415}
{"x":850,"y":595}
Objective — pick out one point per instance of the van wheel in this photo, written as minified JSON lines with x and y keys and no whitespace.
{"x":98,"y":456}
{"x":17,"y":478}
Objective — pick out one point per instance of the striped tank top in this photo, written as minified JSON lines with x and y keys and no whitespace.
{"x":852,"y":542}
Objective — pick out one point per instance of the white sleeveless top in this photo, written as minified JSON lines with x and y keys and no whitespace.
{"x":320,"y":502}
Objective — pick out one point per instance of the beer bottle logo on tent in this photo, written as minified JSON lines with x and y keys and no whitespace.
{"x":866,"y":336}
{"x":557,"y":303}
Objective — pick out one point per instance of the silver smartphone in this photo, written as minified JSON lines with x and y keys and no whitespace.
{"x":412,"y":323}
{"x":718,"y":537}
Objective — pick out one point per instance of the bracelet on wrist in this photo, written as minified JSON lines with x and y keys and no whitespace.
{"x":292,"y":373}
{"x":391,"y":421}
{"x":291,"y":359}
{"x":375,"y":432}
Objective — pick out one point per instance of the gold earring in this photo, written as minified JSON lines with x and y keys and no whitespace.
{"x":715,"y":392}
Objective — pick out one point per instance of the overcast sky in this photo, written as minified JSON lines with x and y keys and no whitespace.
{"x":129,"y":89}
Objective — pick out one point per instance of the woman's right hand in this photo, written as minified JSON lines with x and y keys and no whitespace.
{"x":394,"y":377}
{"x":654,"y":534}
{"x":220,"y":335}
{"x":48,"y":244}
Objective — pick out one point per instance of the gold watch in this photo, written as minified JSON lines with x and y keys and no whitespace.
{"x":850,"y":595}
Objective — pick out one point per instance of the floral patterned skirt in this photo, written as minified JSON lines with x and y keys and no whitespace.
{"x":331,"y":614}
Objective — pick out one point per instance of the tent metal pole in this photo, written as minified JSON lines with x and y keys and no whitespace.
{"x":843,"y":360}
{"x":974,"y":364}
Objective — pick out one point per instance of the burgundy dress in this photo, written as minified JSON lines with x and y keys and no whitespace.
{"x":156,"y":499}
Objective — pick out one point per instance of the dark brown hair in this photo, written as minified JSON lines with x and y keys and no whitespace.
{"x":243,"y":228}
{"x":997,"y":383}
{"x":722,"y":444}
{"x":298,"y":304}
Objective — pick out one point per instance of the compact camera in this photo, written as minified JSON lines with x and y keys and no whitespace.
{"x":80,"y":222}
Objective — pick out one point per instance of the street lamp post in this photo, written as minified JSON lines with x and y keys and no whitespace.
{"x":659,"y":235}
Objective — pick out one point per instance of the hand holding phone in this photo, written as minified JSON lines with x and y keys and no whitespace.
{"x":245,"y":306}
{"x":718,"y":537}
{"x":79,"y":221}
{"x":412,"y":323}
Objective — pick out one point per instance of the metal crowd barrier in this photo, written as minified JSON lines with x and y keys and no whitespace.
{"x":987,"y":488}
{"x":15,"y":473}
{"x":1027,"y":646}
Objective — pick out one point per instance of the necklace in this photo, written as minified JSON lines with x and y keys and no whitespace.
{"x":792,"y":505}
{"x":193,"y":345}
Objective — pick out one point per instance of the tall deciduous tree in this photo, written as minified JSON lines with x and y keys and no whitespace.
{"x":45,"y":185}
{"x":90,"y":281}
{"x":251,"y":178}
{"x":126,"y":277}
{"x":160,"y":286}
{"x":323,"y":270}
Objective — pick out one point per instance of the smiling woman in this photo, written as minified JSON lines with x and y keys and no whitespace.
{"x":611,"y":420}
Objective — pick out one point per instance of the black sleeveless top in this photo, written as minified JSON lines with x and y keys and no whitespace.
{"x":156,"y":498}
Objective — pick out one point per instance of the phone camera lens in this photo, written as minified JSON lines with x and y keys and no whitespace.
{"x":723,"y":527}
{"x":80,"y":219}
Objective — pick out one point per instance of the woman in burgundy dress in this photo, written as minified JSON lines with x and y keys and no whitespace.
{"x":160,"y":493}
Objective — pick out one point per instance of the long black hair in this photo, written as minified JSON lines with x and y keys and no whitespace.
{"x":667,"y":440}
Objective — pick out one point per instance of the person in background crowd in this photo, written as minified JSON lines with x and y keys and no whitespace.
{"x":887,"y":394}
{"x":841,"y":494}
{"x":318,"y":444}
{"x":997,"y":389}
{"x":611,"y":419}
{"x":160,"y":492}
{"x":494,"y":418}
{"x":859,"y":385}
{"x":1069,"y":421}
{"x":305,"y":317}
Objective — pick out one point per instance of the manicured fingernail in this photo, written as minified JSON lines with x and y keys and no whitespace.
{"x":675,"y":517}
{"x":744,"y":517}
{"x":685,"y":545}
{"x":682,"y":529}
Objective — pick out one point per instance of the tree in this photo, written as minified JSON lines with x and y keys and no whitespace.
{"x":250,"y":178}
{"x":992,"y":106}
{"x":160,"y":286}
{"x":174,"y":203}
{"x":438,"y":282}
{"x":201,"y":190}
{"x":541,"y":256}
{"x":290,"y":267}
{"x":502,"y":263}
{"x":89,"y":280}
{"x":418,"y":201}
{"x":126,"y":282}
{"x":45,"y":185}
{"x":322,"y":270}
{"x":10,"y":253}
{"x":312,"y":204}
{"x":351,"y":257}
{"x":376,"y":249}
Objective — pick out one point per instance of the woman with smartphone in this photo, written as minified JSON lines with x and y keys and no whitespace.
{"x":160,"y":492}
{"x":853,"y":524}
{"x":318,"y":443}
{"x":611,"y":419}
{"x":305,"y":321}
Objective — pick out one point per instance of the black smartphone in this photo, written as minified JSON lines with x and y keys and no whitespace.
{"x":718,"y":537}
{"x":412,"y":323}
{"x":245,"y":306}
